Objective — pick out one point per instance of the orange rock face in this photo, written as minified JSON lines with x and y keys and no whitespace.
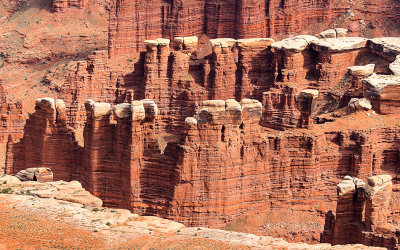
{"x":47,"y":142}
{"x":221,"y":130}
{"x":63,"y":5}
{"x":362,"y":214}
{"x":133,"y":21}
{"x":12,"y":118}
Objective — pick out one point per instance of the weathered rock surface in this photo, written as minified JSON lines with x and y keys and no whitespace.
{"x":35,"y":174}
{"x":63,"y":5}
{"x":362,"y":214}
{"x":242,"y":19}
{"x":47,"y":142}
{"x":360,"y":104}
{"x":121,"y":228}
{"x":12,"y":118}
{"x":202,"y":146}
{"x":59,"y":190}
{"x":230,"y":141}
{"x":383,"y":92}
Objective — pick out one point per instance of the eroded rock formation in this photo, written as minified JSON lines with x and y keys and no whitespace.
{"x":238,"y":19}
{"x":12,"y":118}
{"x":362,"y":214}
{"x":219,"y":133}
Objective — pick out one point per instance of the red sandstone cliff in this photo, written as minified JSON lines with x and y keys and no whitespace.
{"x":254,"y":147}
{"x":362,"y":214}
{"x":133,"y":21}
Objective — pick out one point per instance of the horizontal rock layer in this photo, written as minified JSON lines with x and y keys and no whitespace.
{"x":133,"y":21}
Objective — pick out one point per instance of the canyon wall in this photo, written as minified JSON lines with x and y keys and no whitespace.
{"x":179,"y":74}
{"x":46,"y":142}
{"x":226,"y":165}
{"x":220,"y":134}
{"x":241,"y":19}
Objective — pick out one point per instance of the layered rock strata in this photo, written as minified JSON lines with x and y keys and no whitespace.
{"x":47,"y":142}
{"x":362,"y":214}
{"x":227,"y":157}
{"x":237,"y":19}
{"x":224,"y":145}
{"x":178,"y":74}
{"x":12,"y":118}
{"x":64,"y":5}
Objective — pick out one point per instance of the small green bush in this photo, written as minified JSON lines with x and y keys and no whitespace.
{"x":6,"y":190}
{"x":108,"y":223}
{"x":4,"y":182}
{"x":95,"y":209}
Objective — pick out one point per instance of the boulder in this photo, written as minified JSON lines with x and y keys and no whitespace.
{"x":9,"y":179}
{"x":295,"y":44}
{"x":339,"y":44}
{"x":330,"y":33}
{"x":362,"y":71}
{"x":35,"y":174}
{"x":360,"y":104}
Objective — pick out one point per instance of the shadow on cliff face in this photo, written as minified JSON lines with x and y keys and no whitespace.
{"x":158,"y":178}
{"x":133,"y":81}
{"x":48,"y":142}
{"x":368,"y":56}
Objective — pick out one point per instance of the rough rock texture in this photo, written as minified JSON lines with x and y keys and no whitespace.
{"x":383,"y":92}
{"x":222,"y":128}
{"x":294,"y":60}
{"x":358,"y":73}
{"x":280,"y":110}
{"x":47,"y":142}
{"x":362,"y":214}
{"x":239,"y":19}
{"x":59,"y":190}
{"x":63,"y":5}
{"x":178,"y":74}
{"x":306,"y":101}
{"x":51,"y":223}
{"x":12,"y":118}
{"x":35,"y":174}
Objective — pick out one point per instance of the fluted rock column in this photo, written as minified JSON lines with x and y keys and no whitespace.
{"x":306,"y":101}
{"x":378,"y":193}
{"x":98,"y":134}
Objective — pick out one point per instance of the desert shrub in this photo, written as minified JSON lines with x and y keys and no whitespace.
{"x":6,"y":190}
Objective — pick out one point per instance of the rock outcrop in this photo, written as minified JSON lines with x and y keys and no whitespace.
{"x":47,"y":142}
{"x":12,"y":118}
{"x":178,"y":74}
{"x":35,"y":174}
{"x":204,"y":132}
{"x":240,"y":19}
{"x":237,"y":116}
{"x":59,"y":190}
{"x":362,"y":214}
{"x":119,"y":228}
{"x":383,"y":92}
